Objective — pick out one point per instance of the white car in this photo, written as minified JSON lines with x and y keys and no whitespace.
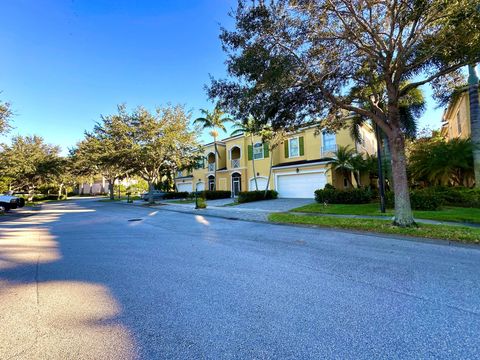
{"x":9,"y":202}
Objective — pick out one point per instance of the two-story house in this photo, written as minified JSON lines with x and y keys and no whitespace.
{"x":456,"y":117}
{"x":300,"y":165}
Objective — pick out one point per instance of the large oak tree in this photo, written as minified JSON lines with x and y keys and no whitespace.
{"x":291,"y":61}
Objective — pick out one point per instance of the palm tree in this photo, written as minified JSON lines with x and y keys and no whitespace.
{"x":474,"y":121}
{"x":342,"y":161}
{"x":249,"y":127}
{"x":213,"y":120}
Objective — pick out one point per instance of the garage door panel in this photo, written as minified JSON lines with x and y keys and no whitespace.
{"x":300,"y":185}
{"x":262,"y":184}
{"x":182,"y":187}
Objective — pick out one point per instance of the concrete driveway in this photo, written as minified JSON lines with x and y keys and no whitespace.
{"x":90,"y":280}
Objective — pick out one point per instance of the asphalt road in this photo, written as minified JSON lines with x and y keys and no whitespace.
{"x":78,"y":280}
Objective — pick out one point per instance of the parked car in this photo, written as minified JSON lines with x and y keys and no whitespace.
{"x":9,"y":202}
{"x":157,"y":195}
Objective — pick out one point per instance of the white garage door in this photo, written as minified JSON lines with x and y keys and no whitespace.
{"x":261,"y":182}
{"x":200,"y":186}
{"x":300,"y":185}
{"x":182,"y":187}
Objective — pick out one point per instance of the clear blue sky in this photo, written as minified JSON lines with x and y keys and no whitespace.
{"x":65,"y":62}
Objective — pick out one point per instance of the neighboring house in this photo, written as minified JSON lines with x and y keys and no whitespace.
{"x":99,"y":186}
{"x":456,"y":118}
{"x":300,"y":164}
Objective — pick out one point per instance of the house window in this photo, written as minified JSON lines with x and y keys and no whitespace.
{"x":179,"y":173}
{"x":258,"y":151}
{"x":293,"y":147}
{"x":329,"y":141}
{"x":459,"y":124}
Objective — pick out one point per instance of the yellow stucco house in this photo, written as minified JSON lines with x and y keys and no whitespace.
{"x":456,"y":118}
{"x":300,"y":164}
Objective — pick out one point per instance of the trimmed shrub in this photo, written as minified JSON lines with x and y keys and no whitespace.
{"x":352,"y":196}
{"x":215,"y":194}
{"x":249,"y":196}
{"x":175,"y":195}
{"x":434,"y":198}
{"x":425,"y":199}
{"x":201,"y":204}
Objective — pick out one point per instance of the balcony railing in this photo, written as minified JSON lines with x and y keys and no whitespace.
{"x":328,"y":150}
{"x":211,"y":167}
{"x":235,"y":163}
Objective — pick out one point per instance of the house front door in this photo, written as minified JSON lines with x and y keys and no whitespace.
{"x":236,"y":184}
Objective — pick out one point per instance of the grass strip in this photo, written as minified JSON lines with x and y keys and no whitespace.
{"x":444,"y":232}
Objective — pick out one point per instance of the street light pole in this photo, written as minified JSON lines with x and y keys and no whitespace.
{"x":381,"y":182}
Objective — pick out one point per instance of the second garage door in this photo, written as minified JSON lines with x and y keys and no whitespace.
{"x":182,"y":187}
{"x":300,"y":185}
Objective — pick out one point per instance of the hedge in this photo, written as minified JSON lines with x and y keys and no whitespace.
{"x":436,"y":197}
{"x":330,"y":195}
{"x":249,"y":196}
{"x":175,"y":195}
{"x":215,"y":194}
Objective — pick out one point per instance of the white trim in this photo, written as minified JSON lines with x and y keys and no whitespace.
{"x":258,"y":177}
{"x":301,"y":165}
{"x":290,"y":148}
{"x":235,"y":172}
{"x":275,"y":177}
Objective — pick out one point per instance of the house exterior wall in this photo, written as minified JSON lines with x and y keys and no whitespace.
{"x":311,"y":157}
{"x":456,"y":119}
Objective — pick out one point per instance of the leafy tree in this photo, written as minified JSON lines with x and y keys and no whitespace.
{"x":250,"y":129}
{"x":342,"y":162}
{"x":435,"y":161}
{"x":5,"y":117}
{"x":273,"y":139}
{"x":107,"y":149}
{"x":162,"y":142}
{"x":291,"y":61}
{"x":28,"y":162}
{"x":213,"y":120}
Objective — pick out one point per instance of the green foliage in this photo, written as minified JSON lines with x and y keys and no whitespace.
{"x":201,"y":203}
{"x":176,"y":195}
{"x":436,"y":197}
{"x":425,"y":199}
{"x":215,"y":194}
{"x":435,"y":161}
{"x":5,"y":117}
{"x":249,"y":196}
{"x":352,"y":196}
{"x":28,"y":162}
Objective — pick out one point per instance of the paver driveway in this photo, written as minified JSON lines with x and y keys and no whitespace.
{"x":79,"y":280}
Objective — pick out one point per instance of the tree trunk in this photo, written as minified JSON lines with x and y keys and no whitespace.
{"x":253,"y":164}
{"x":111,"y":189}
{"x":60,"y":188}
{"x":475,"y":122}
{"x":269,"y":174}
{"x":403,"y":209}
{"x":347,"y":175}
{"x":151,"y":200}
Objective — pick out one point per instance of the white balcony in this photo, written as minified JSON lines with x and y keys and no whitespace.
{"x":235,"y":163}
{"x":328,"y":151}
{"x":211,"y":167}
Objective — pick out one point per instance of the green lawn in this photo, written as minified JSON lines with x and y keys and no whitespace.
{"x":445,"y":232}
{"x":471,"y":215}
{"x":184,"y":201}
